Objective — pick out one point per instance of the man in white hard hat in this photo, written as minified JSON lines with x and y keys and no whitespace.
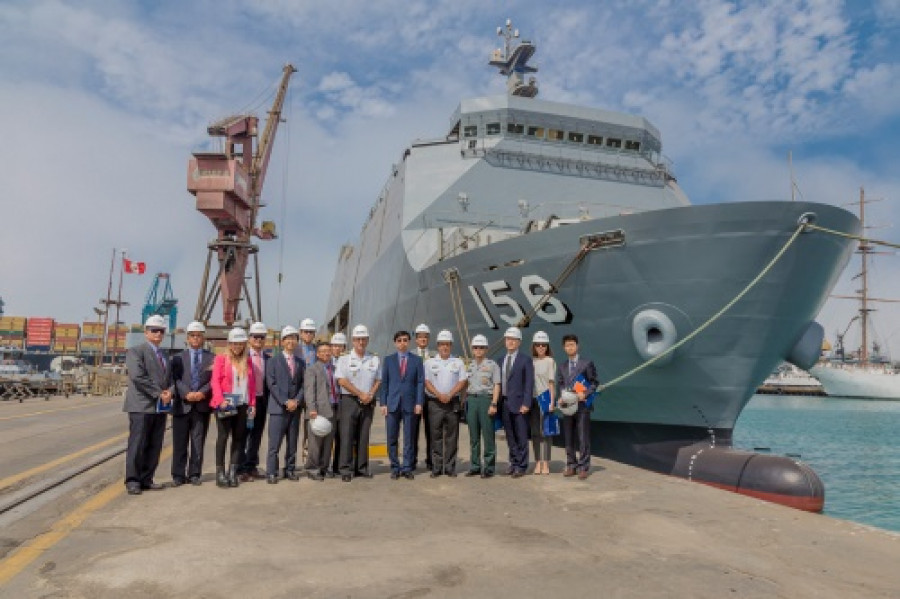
{"x":482,"y":395}
{"x":338,"y":349}
{"x":402,"y":383}
{"x":191,"y":372}
{"x":147,"y":401}
{"x":319,"y":389}
{"x":577,"y":374}
{"x":445,"y":379}
{"x":259,"y":355}
{"x":423,"y":337}
{"x":517,"y":389}
{"x":284,"y":374}
{"x":359,"y":375}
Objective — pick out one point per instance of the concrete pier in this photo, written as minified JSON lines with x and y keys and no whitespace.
{"x":623,"y":532}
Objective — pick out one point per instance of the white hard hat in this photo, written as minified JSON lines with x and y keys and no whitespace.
{"x":288,"y":331}
{"x":196,"y":327}
{"x":479,"y":341}
{"x":258,"y":328}
{"x":307,"y":324}
{"x":513,"y":333}
{"x":360,"y":330}
{"x":445,"y":335}
{"x":320,"y":426}
{"x":568,"y":402}
{"x":423,"y":328}
{"x":339,"y":339}
{"x":156,"y":322}
{"x":237,"y":335}
{"x":540,"y":337}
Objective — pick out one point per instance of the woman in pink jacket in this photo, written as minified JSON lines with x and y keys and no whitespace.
{"x":232,"y":376}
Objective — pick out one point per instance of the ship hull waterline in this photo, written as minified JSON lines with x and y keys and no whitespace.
{"x":686,"y":263}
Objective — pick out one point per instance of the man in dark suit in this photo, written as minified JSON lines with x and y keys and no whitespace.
{"x":147,"y":401}
{"x":579,"y":375}
{"x":402,"y":381}
{"x":191,"y":373}
{"x":284,"y":375}
{"x":320,"y":394}
{"x":249,"y":469}
{"x":517,"y":388}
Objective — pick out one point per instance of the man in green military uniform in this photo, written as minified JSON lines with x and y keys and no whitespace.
{"x":481,"y":405}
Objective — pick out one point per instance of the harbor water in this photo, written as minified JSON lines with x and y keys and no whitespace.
{"x":853,"y":445}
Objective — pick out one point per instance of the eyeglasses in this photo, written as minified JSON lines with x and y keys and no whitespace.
{"x":539,"y":344}
{"x":155,"y":331}
{"x":257,"y":336}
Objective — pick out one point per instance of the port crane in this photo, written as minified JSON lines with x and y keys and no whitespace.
{"x":227,"y":186}
{"x":161,"y":300}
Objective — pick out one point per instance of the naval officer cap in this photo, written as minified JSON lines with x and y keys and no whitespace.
{"x":196,"y":327}
{"x":308,"y":324}
{"x":479,"y":341}
{"x":155,"y":322}
{"x":513,"y":333}
{"x":339,"y":339}
{"x":423,"y":328}
{"x":289,"y":331}
{"x":445,"y":336}
{"x":360,"y":330}
{"x":258,"y":328}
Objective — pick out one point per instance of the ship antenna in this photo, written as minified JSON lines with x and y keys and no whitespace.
{"x":512,"y":61}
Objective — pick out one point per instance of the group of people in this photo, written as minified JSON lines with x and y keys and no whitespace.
{"x":319,"y":399}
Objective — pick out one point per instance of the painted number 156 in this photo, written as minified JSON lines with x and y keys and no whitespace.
{"x":499,"y":293}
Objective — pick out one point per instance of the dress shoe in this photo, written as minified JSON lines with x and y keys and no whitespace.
{"x":346,"y":478}
{"x":195,"y":480}
{"x":315,"y":476}
{"x":221,"y":479}
{"x":451,"y":474}
{"x":257,"y":474}
{"x":487,"y":475}
{"x":246,"y":477}
{"x":583,"y":474}
{"x":408,"y":475}
{"x":134,"y":489}
{"x":330,"y":474}
{"x":364,"y":474}
{"x":232,"y":476}
{"x":434,"y":474}
{"x":292,"y":476}
{"x":272,"y":480}
{"x":152,"y":487}
{"x":177,"y":482}
{"x":517,"y":474}
{"x":473,"y":473}
{"x":395,"y":475}
{"x":569,"y":472}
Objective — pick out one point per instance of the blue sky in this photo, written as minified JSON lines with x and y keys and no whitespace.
{"x":106,"y":100}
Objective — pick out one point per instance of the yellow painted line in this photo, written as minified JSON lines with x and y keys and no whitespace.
{"x":11,"y":480}
{"x":78,"y":407}
{"x":19,"y":559}
{"x":378,"y":450}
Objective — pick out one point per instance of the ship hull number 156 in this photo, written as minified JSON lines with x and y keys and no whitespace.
{"x":510,"y":309}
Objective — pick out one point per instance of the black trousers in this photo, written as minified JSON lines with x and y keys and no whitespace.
{"x":422,"y":422}
{"x":188,"y":432}
{"x":443,"y":420}
{"x":356,"y":421}
{"x":283,"y":427}
{"x":145,"y":441}
{"x":236,"y":428}
{"x":516,"y":427}
{"x":250,"y":455}
{"x":336,"y":434}
{"x":577,"y":434}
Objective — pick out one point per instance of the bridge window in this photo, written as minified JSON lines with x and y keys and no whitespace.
{"x":470,"y":131}
{"x":595,"y":140}
{"x":515,"y":128}
{"x":536,"y":132}
{"x":493,"y":128}
{"x":632,"y":145}
{"x":576,"y":137}
{"x":612,"y":142}
{"x":555,"y":135}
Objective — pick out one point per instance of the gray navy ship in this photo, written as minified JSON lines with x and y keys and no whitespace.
{"x":566,"y":218}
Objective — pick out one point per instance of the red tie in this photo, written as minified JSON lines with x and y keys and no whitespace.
{"x":403,"y":366}
{"x":290,"y":363}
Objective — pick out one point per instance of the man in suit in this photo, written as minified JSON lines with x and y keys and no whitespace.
{"x":258,"y":357}
{"x":284,"y":375}
{"x":191,"y":373}
{"x":147,"y":401}
{"x":320,"y":393}
{"x":516,"y":387}
{"x":402,"y":381}
{"x":579,"y":375}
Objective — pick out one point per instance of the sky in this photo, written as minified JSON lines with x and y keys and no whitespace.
{"x":105,"y":101}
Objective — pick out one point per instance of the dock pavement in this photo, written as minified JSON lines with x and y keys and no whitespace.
{"x":623,"y":532}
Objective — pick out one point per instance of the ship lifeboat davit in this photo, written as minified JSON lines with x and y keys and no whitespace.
{"x":774,"y":478}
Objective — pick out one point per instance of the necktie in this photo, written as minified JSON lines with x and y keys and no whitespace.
{"x":162,"y":361}
{"x":330,"y":369}
{"x":195,"y":369}
{"x":403,"y":366}
{"x":290,"y":363}
{"x":507,"y":365}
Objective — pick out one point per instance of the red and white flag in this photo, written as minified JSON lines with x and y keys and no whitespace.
{"x":135,"y":268}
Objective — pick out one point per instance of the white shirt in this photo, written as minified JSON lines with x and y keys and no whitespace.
{"x":445,"y":374}
{"x":361,"y":372}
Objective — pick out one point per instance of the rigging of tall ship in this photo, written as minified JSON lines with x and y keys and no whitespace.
{"x":568,"y":219}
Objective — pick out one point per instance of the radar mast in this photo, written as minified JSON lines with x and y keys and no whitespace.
{"x":512,"y":61}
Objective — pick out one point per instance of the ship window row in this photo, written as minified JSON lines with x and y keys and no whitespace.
{"x":559,"y":135}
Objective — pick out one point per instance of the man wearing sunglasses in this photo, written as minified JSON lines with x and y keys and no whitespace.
{"x":259,"y":355}
{"x":147,"y":401}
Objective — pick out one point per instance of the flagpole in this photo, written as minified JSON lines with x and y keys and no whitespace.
{"x":112,"y":266}
{"x":118,"y":305}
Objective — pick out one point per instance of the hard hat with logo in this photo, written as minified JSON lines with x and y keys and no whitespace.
{"x":196,"y":327}
{"x":479,"y":341}
{"x":360,"y":330}
{"x":445,"y":336}
{"x":307,"y":324}
{"x":568,"y":402}
{"x":423,"y":328}
{"x":155,"y":322}
{"x":541,"y":337}
{"x":339,"y":339}
{"x":320,"y":426}
{"x":513,"y":333}
{"x":258,"y":328}
{"x":237,"y":335}
{"x":288,"y":331}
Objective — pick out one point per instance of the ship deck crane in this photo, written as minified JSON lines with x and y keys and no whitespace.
{"x":228,"y":186}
